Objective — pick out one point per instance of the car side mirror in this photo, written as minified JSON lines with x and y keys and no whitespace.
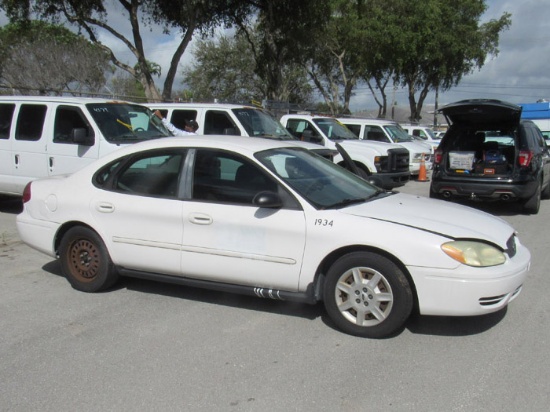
{"x":270,"y":200}
{"x":79,"y":135}
{"x":308,"y":136}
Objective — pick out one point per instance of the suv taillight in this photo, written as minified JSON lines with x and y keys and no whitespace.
{"x":27,"y":193}
{"x":525,"y":157}
{"x":438,"y":155}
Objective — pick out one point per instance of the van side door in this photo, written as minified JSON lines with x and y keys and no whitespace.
{"x":64,"y":154}
{"x":29,"y":145}
{"x":6,"y":157}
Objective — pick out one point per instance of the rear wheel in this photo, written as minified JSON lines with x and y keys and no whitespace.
{"x":85,"y":261}
{"x":545,"y":194}
{"x":367,"y":295}
{"x":532,"y":205}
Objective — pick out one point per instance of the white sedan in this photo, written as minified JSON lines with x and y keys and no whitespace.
{"x":272,"y":219}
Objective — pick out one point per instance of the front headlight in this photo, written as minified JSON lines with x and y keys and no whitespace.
{"x":473,"y":253}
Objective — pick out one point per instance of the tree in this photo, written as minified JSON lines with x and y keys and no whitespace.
{"x":91,"y":17}
{"x":40,"y":58}
{"x":439,"y":42}
{"x":280,"y":33}
{"x":225,"y":70}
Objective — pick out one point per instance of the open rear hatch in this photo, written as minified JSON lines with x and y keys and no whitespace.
{"x":483,"y":140}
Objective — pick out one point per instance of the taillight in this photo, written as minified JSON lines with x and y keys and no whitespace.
{"x":525,"y":157}
{"x":438,"y":156}
{"x":27,"y":193}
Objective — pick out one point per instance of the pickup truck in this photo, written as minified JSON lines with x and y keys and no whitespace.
{"x":384,"y":164}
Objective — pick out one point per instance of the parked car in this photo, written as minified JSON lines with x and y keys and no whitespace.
{"x":388,"y":131}
{"x":489,"y":153}
{"x":274,"y":220}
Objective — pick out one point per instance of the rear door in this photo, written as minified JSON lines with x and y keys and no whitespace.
{"x":7,"y":160}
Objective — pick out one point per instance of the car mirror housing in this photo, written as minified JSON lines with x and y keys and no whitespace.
{"x":267,"y":199}
{"x":80,"y":136}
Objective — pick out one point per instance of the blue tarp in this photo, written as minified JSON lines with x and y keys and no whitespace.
{"x":535,"y":110}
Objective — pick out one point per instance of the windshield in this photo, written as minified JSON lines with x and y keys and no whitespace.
{"x":334,"y":130}
{"x":398,"y":134}
{"x":126,"y":122}
{"x":258,"y":123}
{"x":322,"y":183}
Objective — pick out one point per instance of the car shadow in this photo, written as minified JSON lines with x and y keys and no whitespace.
{"x":13,"y":205}
{"x":454,"y":325}
{"x":416,"y":324}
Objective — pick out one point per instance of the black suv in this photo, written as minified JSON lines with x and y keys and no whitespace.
{"x":489,"y":153}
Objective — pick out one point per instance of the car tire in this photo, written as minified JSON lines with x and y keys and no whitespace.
{"x":367,"y":295}
{"x":85,"y":261}
{"x":531,"y":206}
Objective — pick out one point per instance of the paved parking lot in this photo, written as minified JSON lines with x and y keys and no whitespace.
{"x":149,"y":346}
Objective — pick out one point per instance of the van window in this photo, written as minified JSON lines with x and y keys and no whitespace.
{"x":375,"y":133}
{"x":179,"y":117}
{"x":219,"y":122}
{"x":354,"y":128}
{"x":6,"y":115}
{"x":66,"y":119}
{"x":30,"y":122}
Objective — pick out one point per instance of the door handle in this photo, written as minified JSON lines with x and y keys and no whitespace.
{"x":200,"y":219}
{"x":105,"y":207}
{"x":51,"y":162}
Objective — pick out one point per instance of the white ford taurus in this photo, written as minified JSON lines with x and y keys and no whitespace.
{"x":272,"y":219}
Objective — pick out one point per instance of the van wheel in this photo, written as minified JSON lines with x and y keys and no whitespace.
{"x":532,"y":205}
{"x":367,"y":295}
{"x":85,"y":261}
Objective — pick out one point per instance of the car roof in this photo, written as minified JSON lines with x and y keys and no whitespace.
{"x":62,"y":99}
{"x":201,"y":106}
{"x":241,"y":144}
{"x":481,"y":112}
{"x":359,"y":120}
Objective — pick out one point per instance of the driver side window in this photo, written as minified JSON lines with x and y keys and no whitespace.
{"x":222,"y":177}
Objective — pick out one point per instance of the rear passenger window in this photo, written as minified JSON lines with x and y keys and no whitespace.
{"x":180,"y":116}
{"x":30,"y":122}
{"x":66,"y":119}
{"x":6,"y":115}
{"x":155,"y":175}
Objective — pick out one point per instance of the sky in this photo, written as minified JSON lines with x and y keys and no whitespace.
{"x":519,"y":74}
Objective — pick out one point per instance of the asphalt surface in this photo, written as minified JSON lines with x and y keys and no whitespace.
{"x":153,"y":347}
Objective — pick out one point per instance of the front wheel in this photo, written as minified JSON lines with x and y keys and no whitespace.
{"x":85,"y":261}
{"x":367,"y":295}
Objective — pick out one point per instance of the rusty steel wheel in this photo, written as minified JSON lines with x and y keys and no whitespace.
{"x":85,"y":261}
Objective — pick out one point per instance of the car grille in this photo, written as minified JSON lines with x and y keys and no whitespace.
{"x":397,"y":161}
{"x":495,"y":300}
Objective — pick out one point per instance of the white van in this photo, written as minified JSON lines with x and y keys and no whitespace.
{"x":391,"y":132}
{"x":233,"y":119}
{"x":44,"y":136}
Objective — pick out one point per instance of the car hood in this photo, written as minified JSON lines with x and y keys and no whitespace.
{"x":481,"y":111}
{"x":417,"y":147}
{"x":436,"y":216}
{"x":358,"y":144}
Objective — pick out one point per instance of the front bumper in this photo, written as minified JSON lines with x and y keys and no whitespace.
{"x":470,"y":291}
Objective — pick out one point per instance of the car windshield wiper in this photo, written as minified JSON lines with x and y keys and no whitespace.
{"x":347,"y":202}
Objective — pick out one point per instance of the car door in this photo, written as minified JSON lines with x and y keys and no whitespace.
{"x":226,"y":238}
{"x":29,"y":145}
{"x":139,"y":211}
{"x":6,"y":157}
